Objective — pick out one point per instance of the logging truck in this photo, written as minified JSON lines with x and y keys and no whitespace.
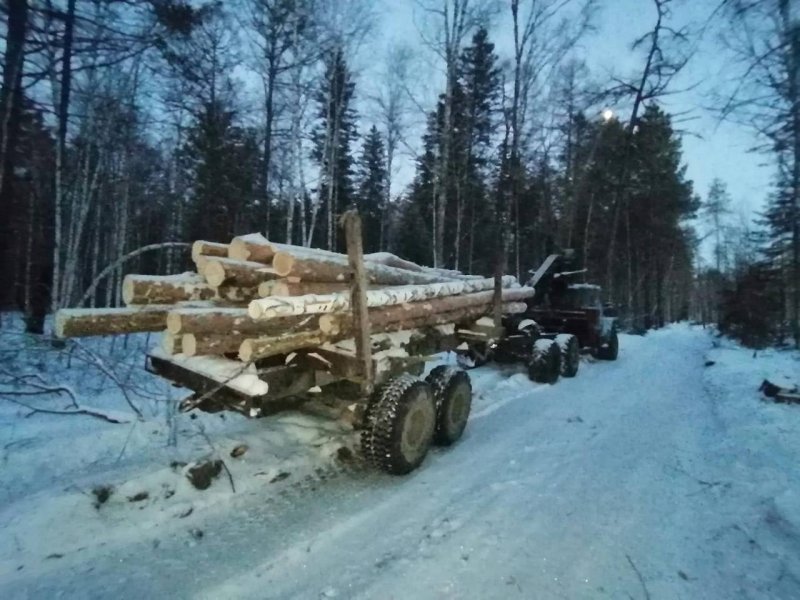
{"x":561,"y":320}
{"x":262,"y":327}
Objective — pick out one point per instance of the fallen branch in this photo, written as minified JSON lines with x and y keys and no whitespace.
{"x":80,"y":410}
{"x":122,"y":259}
{"x":98,"y":362}
{"x":40,"y":387}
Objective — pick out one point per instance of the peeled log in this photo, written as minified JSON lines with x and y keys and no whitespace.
{"x":334,"y":267}
{"x":283,"y":287}
{"x":214,"y":344}
{"x":279,"y":306}
{"x":171,"y":344}
{"x":165,"y":289}
{"x":233,"y":321}
{"x":201,"y":248}
{"x":379,"y":316}
{"x":242,"y":273}
{"x":81,"y":322}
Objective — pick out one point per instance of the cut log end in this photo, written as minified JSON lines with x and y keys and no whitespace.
{"x":173,"y":323}
{"x":214,"y":272}
{"x":189,"y":344}
{"x":328,"y":324}
{"x":283,"y":262}
{"x":247,"y":350}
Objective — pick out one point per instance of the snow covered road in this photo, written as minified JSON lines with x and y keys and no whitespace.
{"x":651,"y":477}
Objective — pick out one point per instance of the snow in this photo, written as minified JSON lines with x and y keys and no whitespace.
{"x":653,"y":476}
{"x":242,"y":377}
{"x":584,"y":286}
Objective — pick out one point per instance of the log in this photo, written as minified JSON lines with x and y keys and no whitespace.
{"x":379,"y":316}
{"x":165,"y":289}
{"x":263,"y":347}
{"x":210,"y":344}
{"x":81,"y":322}
{"x":268,"y":308}
{"x":334,"y":267}
{"x":242,"y":273}
{"x":392,"y":260}
{"x":233,"y":321}
{"x":256,"y":248}
{"x":252,"y":247}
{"x":170,"y":343}
{"x":252,"y":349}
{"x":284,"y":287}
{"x":202,"y":248}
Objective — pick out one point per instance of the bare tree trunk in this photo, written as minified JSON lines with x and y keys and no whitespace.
{"x":10,"y":95}
{"x":61,"y":147}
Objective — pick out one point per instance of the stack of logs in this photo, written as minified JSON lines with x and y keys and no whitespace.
{"x":254,"y":299}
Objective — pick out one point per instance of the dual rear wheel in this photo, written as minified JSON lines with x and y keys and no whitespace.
{"x":554,"y":358}
{"x":406,"y":415}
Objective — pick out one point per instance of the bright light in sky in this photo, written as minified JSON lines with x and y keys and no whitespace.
{"x":608,"y":114}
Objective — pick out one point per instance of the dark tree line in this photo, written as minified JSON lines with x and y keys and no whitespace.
{"x":124,"y":124}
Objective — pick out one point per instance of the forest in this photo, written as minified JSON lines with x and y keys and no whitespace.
{"x":129,"y":128}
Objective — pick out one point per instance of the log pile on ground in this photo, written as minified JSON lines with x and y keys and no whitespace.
{"x":253,"y":299}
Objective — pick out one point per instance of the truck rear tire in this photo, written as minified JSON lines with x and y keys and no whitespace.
{"x":570,"y":354}
{"x":610,"y":349}
{"x":452,"y":392}
{"x":399,"y":425}
{"x":545,"y":362}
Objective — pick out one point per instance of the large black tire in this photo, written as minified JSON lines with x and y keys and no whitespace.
{"x":570,"y":354}
{"x":399,"y":425}
{"x":452,"y":392}
{"x":545,"y":362}
{"x":610,"y":349}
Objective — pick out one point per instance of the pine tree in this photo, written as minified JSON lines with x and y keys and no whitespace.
{"x":372,"y":189}
{"x":223,"y":163}
{"x":479,"y":93}
{"x":716,"y":208}
{"x":333,"y":140}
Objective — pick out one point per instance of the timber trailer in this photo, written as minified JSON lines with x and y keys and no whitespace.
{"x":562,"y":320}
{"x":374,"y":384}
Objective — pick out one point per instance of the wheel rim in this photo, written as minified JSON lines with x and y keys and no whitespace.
{"x":417,"y":429}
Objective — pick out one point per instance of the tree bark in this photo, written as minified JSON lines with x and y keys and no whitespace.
{"x":81,"y":322}
{"x":214,"y":343}
{"x":264,"y":347}
{"x":235,"y":321}
{"x":165,"y":289}
{"x":219,"y":271}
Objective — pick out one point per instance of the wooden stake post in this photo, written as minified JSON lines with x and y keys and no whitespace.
{"x":358,"y":297}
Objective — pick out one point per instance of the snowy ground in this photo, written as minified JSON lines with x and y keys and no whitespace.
{"x":653,"y":477}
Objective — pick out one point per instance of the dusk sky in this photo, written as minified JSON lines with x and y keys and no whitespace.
{"x":711,"y":149}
